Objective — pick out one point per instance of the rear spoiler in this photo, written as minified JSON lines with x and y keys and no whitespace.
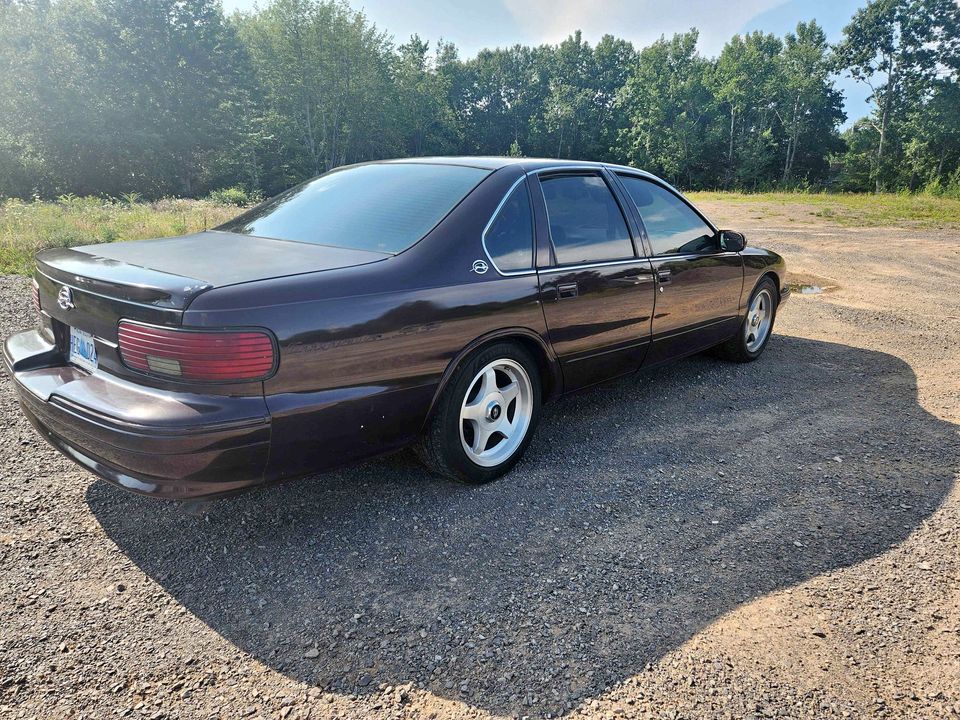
{"x":119,"y":280}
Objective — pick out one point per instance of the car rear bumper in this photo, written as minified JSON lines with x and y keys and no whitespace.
{"x":176,"y":445}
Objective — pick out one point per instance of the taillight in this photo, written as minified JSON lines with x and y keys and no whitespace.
{"x":36,"y":296}
{"x":215,"y":356}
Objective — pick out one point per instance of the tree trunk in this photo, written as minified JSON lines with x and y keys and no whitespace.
{"x":306,"y":98}
{"x":793,"y":151}
{"x":729,"y":173}
{"x":884,"y":119}
{"x":254,"y":172}
{"x":311,"y":139}
{"x":792,"y":142}
{"x":786,"y":161}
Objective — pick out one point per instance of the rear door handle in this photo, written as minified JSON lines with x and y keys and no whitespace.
{"x":569,"y":290}
{"x":663,"y":277}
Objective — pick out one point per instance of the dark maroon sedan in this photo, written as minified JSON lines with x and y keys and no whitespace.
{"x":434,"y":302}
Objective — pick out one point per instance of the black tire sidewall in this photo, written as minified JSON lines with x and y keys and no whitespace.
{"x":454,"y":456}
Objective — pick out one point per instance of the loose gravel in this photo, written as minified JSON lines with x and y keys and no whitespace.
{"x":778,"y":539}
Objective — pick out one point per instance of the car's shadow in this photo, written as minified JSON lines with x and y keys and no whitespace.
{"x":644,"y":510}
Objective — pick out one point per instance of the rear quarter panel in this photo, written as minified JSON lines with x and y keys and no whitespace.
{"x":363,"y":350}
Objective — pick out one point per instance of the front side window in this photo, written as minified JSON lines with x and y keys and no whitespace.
{"x":382,"y":207}
{"x":672,"y":226}
{"x":586,"y":224}
{"x":509,"y":239}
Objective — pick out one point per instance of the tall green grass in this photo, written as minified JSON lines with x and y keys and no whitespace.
{"x":27,"y":227}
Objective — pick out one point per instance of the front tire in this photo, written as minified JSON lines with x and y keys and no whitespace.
{"x":757,"y":327}
{"x":485,"y":417}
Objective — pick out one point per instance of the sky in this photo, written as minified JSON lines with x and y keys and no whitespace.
{"x":475,"y":24}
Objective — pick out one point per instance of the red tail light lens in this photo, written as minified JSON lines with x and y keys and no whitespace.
{"x":213,"y":356}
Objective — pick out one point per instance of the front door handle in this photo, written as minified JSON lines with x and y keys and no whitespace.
{"x":569,"y":290}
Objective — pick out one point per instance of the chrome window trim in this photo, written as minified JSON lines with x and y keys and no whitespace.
{"x":598,"y":170}
{"x":586,"y":266}
{"x":572,"y":168}
{"x":533,"y":234}
{"x":684,"y":256}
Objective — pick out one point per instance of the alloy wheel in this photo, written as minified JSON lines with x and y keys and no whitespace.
{"x":759,"y":320}
{"x":496,"y":412}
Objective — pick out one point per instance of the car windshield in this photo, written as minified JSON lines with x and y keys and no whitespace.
{"x":382,"y":207}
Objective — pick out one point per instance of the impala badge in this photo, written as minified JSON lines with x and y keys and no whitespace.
{"x":65,"y":298}
{"x":479,"y":267}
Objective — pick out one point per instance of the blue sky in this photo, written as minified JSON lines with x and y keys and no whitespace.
{"x":475,"y":24}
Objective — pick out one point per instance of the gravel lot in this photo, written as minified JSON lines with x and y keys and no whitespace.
{"x":706,"y":540}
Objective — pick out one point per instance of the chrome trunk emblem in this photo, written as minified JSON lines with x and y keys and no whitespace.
{"x":65,"y":298}
{"x":479,"y":267}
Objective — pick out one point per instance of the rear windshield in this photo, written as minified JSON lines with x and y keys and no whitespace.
{"x":386,"y":208}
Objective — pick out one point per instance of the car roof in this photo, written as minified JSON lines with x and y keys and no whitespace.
{"x":485,"y":162}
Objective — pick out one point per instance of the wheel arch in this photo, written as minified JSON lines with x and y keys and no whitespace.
{"x":550,"y":378}
{"x":774,"y":278}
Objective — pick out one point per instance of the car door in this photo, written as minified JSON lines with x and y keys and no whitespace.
{"x":698,"y":282}
{"x":597,"y":291}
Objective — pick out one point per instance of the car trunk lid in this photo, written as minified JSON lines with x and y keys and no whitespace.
{"x":92,"y":287}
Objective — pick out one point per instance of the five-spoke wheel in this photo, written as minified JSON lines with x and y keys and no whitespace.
{"x":748,"y":344}
{"x":759,"y":320}
{"x":496,"y":411}
{"x":485,"y":416}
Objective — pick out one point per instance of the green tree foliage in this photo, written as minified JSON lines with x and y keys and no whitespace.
{"x":908,"y":53}
{"x":670,"y":114}
{"x":110,"y":95}
{"x":745,"y":84}
{"x":169,"y":97}
{"x":932,"y":148}
{"x":499,"y":98}
{"x":808,"y":107}
{"x":764,"y":113}
{"x":578,"y":117}
{"x":426,"y":120}
{"x":325,"y":88}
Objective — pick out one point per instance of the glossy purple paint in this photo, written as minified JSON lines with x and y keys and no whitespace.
{"x":367,"y":341}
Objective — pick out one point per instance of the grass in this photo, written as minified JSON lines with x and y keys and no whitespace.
{"x":848,"y":209}
{"x":27,"y":227}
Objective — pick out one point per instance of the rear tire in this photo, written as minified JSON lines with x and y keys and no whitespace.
{"x":754,"y":332}
{"x":485,"y":417}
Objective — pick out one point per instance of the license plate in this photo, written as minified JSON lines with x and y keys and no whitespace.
{"x":83,"y":351}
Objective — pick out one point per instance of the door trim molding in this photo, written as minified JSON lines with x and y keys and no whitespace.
{"x":587,"y":266}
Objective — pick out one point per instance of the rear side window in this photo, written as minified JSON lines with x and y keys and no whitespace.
{"x":509,"y":239}
{"x":586,"y":224}
{"x":383,"y":207}
{"x":672,"y":226}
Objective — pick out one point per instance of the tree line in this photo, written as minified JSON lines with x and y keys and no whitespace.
{"x":172,"y":97}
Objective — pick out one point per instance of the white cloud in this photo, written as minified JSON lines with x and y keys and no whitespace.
{"x":640,"y":21}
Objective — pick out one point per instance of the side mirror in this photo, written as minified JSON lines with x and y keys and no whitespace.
{"x":731,"y":241}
